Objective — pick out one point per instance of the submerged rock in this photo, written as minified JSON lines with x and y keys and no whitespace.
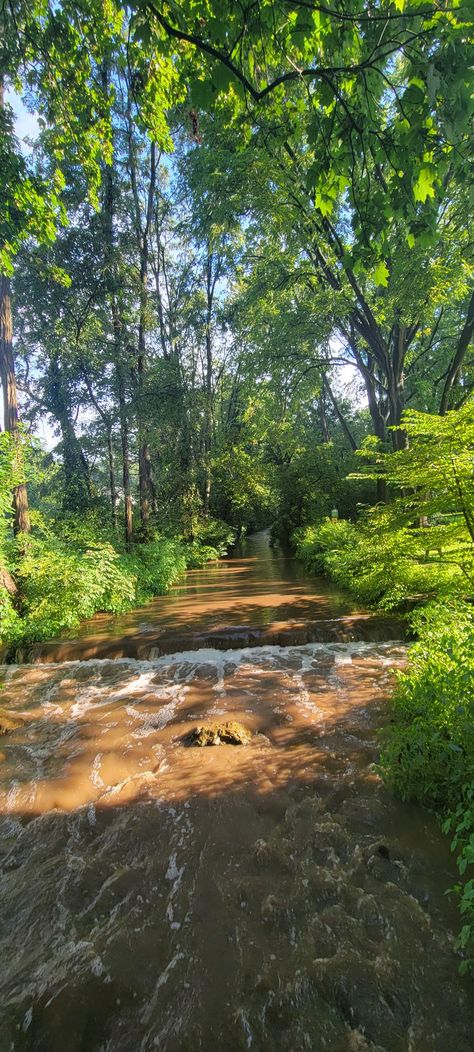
{"x":9,"y":721}
{"x":229,"y":733}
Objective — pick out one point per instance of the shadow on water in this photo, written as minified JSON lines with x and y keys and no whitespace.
{"x":271,"y":896}
{"x":257,"y":596}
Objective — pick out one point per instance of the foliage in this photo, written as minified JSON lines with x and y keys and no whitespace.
{"x":61,"y":586}
{"x":430,"y":755}
{"x":347,"y":86}
{"x":9,"y":478}
{"x":421,"y":544}
{"x":215,"y":534}
{"x":67,"y":574}
{"x":197,"y":555}
{"x":384,"y":567}
{"x":315,"y":543}
{"x":155,"y":566}
{"x":244,"y":487}
{"x":433,"y":474}
{"x":461,"y":823}
{"x":429,"y":751}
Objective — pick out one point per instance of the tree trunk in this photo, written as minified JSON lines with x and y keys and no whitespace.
{"x":340,"y":416}
{"x":367,"y":371}
{"x":107,"y":422}
{"x":125,"y":460}
{"x":7,"y":582}
{"x":142,"y":231}
{"x":21,"y":519}
{"x":208,"y":419}
{"x":112,"y":487}
{"x":78,"y":491}
{"x":213,"y":271}
{"x":323,"y":418}
{"x":461,"y":349}
{"x":117,"y":328}
{"x":395,"y":385}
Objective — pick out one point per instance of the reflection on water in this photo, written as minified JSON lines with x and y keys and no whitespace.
{"x":258,"y":596}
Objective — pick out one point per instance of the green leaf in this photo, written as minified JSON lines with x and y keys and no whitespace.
{"x":381,"y":274}
{"x":423,"y":187}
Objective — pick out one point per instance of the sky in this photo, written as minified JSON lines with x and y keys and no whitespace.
{"x":26,"y":124}
{"x":26,"y":127}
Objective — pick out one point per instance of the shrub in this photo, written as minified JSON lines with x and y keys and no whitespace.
{"x":461,"y":822}
{"x":61,"y":586}
{"x":197,"y":555}
{"x":214,"y":534}
{"x":385,"y":566}
{"x":429,"y":751}
{"x":64,"y":579}
{"x":315,"y":544}
{"x":156,"y":566}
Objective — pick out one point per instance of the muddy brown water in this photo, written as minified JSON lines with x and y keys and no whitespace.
{"x":271,"y":896}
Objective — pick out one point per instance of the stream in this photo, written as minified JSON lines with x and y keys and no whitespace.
{"x":270,"y":896}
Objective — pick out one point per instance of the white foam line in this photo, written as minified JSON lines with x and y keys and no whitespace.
{"x":95,"y":776}
{"x":208,"y":655}
{"x":163,"y":978}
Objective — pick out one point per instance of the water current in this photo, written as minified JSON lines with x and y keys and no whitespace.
{"x":270,"y":896}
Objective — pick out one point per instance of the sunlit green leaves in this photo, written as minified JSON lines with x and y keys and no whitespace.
{"x":423,"y":186}
{"x":381,"y":274}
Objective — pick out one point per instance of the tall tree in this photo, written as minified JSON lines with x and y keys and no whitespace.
{"x":21,"y":520}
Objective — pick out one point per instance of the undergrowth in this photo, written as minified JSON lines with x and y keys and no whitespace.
{"x":388,"y":568}
{"x":67,"y":574}
{"x":429,"y":751}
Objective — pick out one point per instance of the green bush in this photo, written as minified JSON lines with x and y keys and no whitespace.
{"x":315,"y":544}
{"x":461,"y":822}
{"x":214,"y":534}
{"x":429,"y":752}
{"x":11,"y":626}
{"x":61,"y":586}
{"x":386,"y":567}
{"x":155,"y":566}
{"x":65,"y":576}
{"x":197,"y":555}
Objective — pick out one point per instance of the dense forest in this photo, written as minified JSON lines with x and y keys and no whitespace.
{"x":236,"y":260}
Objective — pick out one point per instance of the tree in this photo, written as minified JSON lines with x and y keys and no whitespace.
{"x":387,"y":86}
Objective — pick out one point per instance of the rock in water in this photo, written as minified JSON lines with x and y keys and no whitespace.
{"x":9,"y":721}
{"x":229,"y":733}
{"x":234,"y":734}
{"x":202,"y":736}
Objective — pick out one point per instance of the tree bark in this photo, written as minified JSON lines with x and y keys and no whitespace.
{"x":117,"y":328}
{"x":213,"y":271}
{"x":21,"y":516}
{"x":106,"y":420}
{"x":455,"y":366}
{"x":340,"y":416}
{"x":112,"y":487}
{"x":7,"y":582}
{"x":142,"y":233}
{"x":125,"y":459}
{"x":323,"y":417}
{"x":78,"y":490}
